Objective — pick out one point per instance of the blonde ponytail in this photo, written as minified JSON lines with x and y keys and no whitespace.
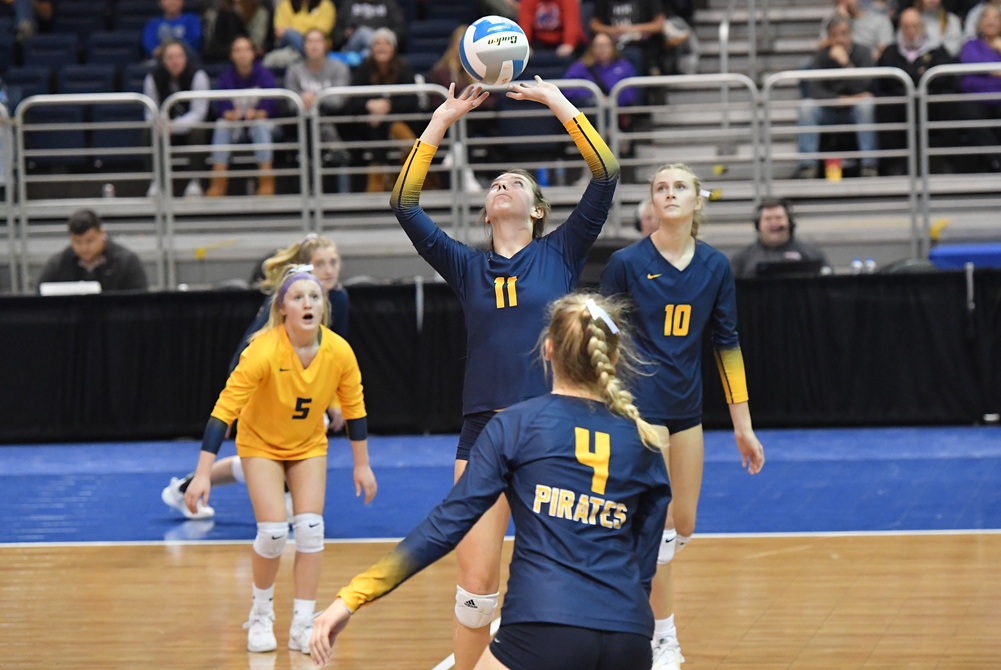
{"x":587,"y":353}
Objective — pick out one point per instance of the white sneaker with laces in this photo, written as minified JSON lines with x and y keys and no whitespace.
{"x":193,"y":189}
{"x":299,"y":634}
{"x":667,"y":654}
{"x":261,"y":631}
{"x":172,"y":497}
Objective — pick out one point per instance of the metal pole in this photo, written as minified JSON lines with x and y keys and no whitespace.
{"x":22,"y":193}
{"x":300,"y":122}
{"x":8,"y":197}
{"x":766,"y":132}
{"x":157,"y":199}
{"x":912,"y":164}
{"x":167,"y":198}
{"x":752,"y":41}
{"x":314,"y":120}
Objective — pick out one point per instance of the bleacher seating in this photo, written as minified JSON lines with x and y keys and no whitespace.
{"x":86,"y":79}
{"x":23,"y":82}
{"x":55,"y":139}
{"x":81,"y":17}
{"x":117,"y":138}
{"x":134,"y":14}
{"x":6,"y":50}
{"x":117,"y":48}
{"x":133,"y":76}
{"x":423,"y":62}
{"x":52,"y":50}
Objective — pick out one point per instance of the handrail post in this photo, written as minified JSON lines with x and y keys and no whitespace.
{"x":8,"y":196}
{"x":314,"y":126}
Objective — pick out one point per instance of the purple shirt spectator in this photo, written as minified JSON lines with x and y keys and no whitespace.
{"x":607,"y":77}
{"x":260,"y":77}
{"x":979,"y":51}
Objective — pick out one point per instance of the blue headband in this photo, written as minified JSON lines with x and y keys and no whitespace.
{"x":303,"y":273}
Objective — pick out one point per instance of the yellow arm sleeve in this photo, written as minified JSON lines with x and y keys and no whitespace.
{"x":377,"y":581}
{"x":599,"y":157}
{"x":731,"y":370}
{"x":349,"y":390}
{"x":407,"y":192}
{"x":242,"y":383}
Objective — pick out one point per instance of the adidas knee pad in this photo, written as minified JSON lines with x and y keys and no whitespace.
{"x":237,"y":468}
{"x":271,"y":538}
{"x":308,"y":533}
{"x":474,"y":611}
{"x":668,"y":547}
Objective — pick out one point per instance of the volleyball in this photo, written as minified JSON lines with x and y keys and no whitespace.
{"x":494,"y":50}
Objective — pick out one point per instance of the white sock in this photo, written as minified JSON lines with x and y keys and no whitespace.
{"x":303,"y":609}
{"x":682,"y":541}
{"x":264,"y":599}
{"x":664,"y":628}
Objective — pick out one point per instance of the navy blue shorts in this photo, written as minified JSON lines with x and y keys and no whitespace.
{"x":677,"y":425}
{"x":472,"y":426}
{"x":550,"y":646}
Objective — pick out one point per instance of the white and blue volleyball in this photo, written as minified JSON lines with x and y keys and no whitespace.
{"x":494,"y":50}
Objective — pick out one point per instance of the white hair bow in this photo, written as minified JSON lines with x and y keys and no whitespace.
{"x":599,"y":313}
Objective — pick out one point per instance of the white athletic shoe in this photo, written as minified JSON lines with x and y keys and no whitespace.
{"x":193,"y":189}
{"x":667,"y":654}
{"x":172,"y":497}
{"x":299,"y":634}
{"x":261,"y":631}
{"x":288,"y":506}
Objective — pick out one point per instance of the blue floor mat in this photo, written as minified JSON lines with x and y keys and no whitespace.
{"x":814,"y":480}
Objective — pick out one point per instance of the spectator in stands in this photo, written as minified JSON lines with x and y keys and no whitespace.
{"x":941,"y":25}
{"x":310,"y":76}
{"x":174,"y":72}
{"x":646,"y":219}
{"x":294,"y":18}
{"x":173,"y":25}
{"x":856,"y":107}
{"x":28,"y":15}
{"x":603,"y":65}
{"x":361,"y":18}
{"x":244,"y":117}
{"x":92,"y":256}
{"x":231,"y":19}
{"x":383,"y":66}
{"x":870,"y":29}
{"x":633,"y":23}
{"x":972,"y":23}
{"x":552,"y":24}
{"x":506,"y":8}
{"x":985,"y":49}
{"x":776,"y":241}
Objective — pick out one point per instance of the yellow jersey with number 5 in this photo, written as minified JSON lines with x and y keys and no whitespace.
{"x":281,"y":404}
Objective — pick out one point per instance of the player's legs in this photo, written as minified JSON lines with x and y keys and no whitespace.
{"x":265,"y":479}
{"x":489,"y":662}
{"x":479,"y":557}
{"x":227,"y":470}
{"x":307,"y":481}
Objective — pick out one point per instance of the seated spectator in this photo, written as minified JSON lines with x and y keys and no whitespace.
{"x":603,"y":65}
{"x":174,"y":73}
{"x":972,"y":24}
{"x":233,"y":18}
{"x":941,"y":25}
{"x":646,"y":219}
{"x":634,"y":24}
{"x":294,"y":18}
{"x":383,"y":66}
{"x":776,"y":241}
{"x":552,"y":24}
{"x":29,"y":16}
{"x":317,"y":72}
{"x":870,"y":29}
{"x":173,"y":25}
{"x":361,"y":18}
{"x":243,"y":118}
{"x":985,"y":49}
{"x":857,"y":106}
{"x":92,"y":256}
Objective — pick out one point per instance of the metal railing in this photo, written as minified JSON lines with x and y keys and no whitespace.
{"x":926,"y":126}
{"x":769,"y":131}
{"x":7,"y":181}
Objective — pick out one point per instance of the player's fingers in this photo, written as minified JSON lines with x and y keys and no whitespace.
{"x":538,"y":79}
{"x":451,"y":90}
{"x":480,"y":98}
{"x":357,"y":488}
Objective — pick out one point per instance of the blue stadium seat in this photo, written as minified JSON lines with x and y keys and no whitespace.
{"x":117,"y":48}
{"x":434,"y":45}
{"x":133,"y":14}
{"x":23,"y":82}
{"x":117,"y":137}
{"x":548,"y":58}
{"x":586,"y":14}
{"x":55,"y":139}
{"x":460,"y":12}
{"x":52,"y":51}
{"x":213,"y":70}
{"x":432,"y":28}
{"x":133,"y":77}
{"x":409,"y":8}
{"x":423,"y":62}
{"x":6,"y":50}
{"x":86,"y":79}
{"x":80,"y":18}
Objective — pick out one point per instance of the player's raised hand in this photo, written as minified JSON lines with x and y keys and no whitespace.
{"x":455,"y":107}
{"x":545,"y":93}
{"x":365,"y":481}
{"x":326,"y":628}
{"x":752,"y":454}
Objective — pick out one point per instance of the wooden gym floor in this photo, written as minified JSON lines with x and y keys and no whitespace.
{"x":921,"y":601}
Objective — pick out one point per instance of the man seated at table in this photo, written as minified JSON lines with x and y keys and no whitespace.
{"x":776,"y":241}
{"x":91,"y":256}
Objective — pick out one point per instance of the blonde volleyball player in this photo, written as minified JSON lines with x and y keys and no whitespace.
{"x":681,"y":287}
{"x":504,"y":291}
{"x":322,"y":254}
{"x":588,"y":491}
{"x":292,"y":370}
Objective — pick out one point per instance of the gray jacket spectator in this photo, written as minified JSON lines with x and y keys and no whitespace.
{"x":91,"y":256}
{"x":870,"y":29}
{"x":941,"y":25}
{"x":309,"y":77}
{"x":776,"y":241}
{"x":358,"y":19}
{"x":825,"y":89}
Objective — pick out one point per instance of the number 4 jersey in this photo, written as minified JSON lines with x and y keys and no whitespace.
{"x":672,"y":310}
{"x":280,"y":404}
{"x":588,"y":502}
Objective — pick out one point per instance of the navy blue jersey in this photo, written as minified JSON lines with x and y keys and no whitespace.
{"x":504,"y":300}
{"x":339,"y":306}
{"x":588,"y":501}
{"x":673,"y":308}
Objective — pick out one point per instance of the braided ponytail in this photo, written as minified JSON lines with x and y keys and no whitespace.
{"x":588,"y":354}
